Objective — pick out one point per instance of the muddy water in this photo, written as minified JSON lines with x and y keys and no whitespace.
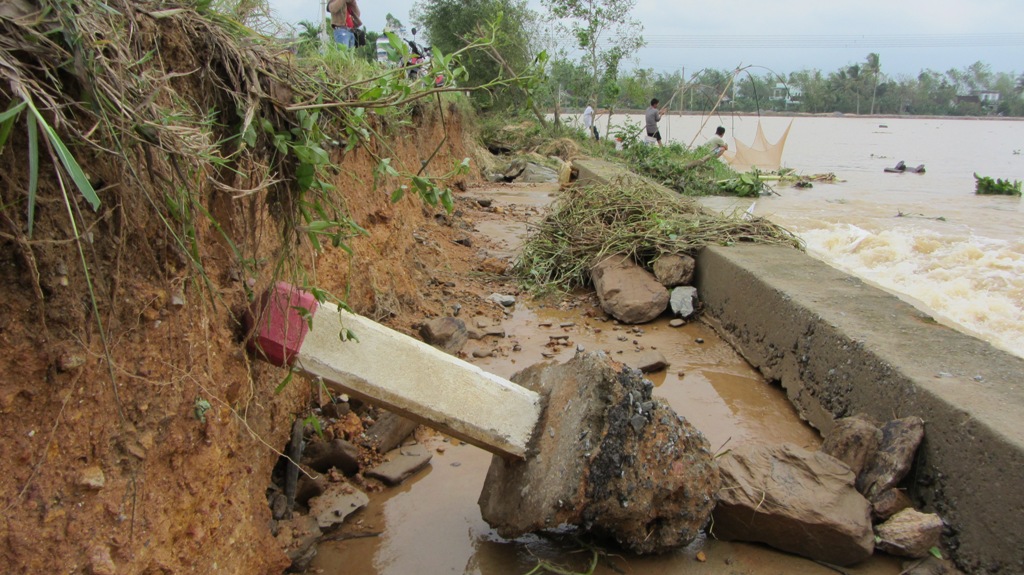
{"x":926,"y":238}
{"x":432,"y":524}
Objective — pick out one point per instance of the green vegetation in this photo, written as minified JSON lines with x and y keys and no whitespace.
{"x":633,"y":218}
{"x":689,"y":172}
{"x":984,"y":185}
{"x":606,"y":34}
{"x":451,"y":24}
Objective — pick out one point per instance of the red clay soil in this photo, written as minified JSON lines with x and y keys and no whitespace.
{"x":149,"y":448}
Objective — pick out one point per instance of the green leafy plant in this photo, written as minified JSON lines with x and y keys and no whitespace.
{"x":985,"y":185}
{"x":689,"y":172}
{"x":628,"y":133}
{"x":747,"y":184}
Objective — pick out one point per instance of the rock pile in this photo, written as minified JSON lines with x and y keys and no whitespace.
{"x":835,"y":505}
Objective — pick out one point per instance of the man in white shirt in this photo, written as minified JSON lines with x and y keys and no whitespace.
{"x":588,"y":121}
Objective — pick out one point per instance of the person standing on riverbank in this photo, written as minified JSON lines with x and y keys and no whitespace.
{"x":717,"y":144}
{"x":588,"y":121}
{"x":344,"y":18}
{"x":652,"y":117}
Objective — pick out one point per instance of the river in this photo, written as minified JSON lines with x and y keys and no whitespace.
{"x":928,"y":238}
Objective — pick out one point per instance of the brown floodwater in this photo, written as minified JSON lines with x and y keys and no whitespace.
{"x":431,"y":524}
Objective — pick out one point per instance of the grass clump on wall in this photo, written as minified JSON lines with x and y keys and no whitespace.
{"x":629,"y":217}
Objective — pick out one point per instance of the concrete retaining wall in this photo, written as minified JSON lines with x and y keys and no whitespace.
{"x":840,"y":347}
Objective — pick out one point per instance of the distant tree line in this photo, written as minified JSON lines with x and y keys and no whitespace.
{"x":861,"y":88}
{"x":582,"y":68}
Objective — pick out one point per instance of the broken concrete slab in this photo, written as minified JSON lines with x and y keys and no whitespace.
{"x":401,"y":464}
{"x":799,"y":501}
{"x":289,"y":327}
{"x":607,"y":457}
{"x":627,"y":291}
{"x":909,"y":533}
{"x":338,"y":502}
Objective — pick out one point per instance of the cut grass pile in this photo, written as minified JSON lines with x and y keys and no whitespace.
{"x":627,"y":217}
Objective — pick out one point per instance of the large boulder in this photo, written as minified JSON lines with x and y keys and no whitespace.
{"x":674,"y":270}
{"x":628,"y":292}
{"x":799,"y":501}
{"x":854,"y":441}
{"x":894,"y":456}
{"x":607,"y":457}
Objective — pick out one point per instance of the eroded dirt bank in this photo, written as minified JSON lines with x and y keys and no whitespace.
{"x":148,"y":447}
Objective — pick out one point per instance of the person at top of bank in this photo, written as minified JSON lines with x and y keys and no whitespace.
{"x":717,"y":144}
{"x":588,"y":121}
{"x":344,"y":17}
{"x":653,"y":115}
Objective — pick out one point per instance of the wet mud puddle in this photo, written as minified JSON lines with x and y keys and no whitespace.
{"x":431,"y":523}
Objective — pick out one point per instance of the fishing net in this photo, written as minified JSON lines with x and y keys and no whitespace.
{"x":760,"y":154}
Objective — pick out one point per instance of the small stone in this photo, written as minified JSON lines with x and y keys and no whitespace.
{"x":92,"y":478}
{"x":567,"y":324}
{"x":100,"y":561}
{"x":699,"y":340}
{"x":484,"y":202}
{"x":676,"y":323}
{"x":70,"y":361}
{"x":909,"y":533}
{"x":177,"y":299}
{"x":502,"y":299}
{"x":481,"y":353}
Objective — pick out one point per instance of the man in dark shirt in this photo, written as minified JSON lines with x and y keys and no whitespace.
{"x":652,"y":116}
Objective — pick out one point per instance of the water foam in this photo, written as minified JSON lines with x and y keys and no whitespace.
{"x":974,"y":284}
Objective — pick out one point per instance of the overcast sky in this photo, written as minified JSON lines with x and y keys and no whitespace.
{"x":790,"y":35}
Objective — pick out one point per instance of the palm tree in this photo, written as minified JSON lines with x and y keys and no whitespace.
{"x":309,"y":38}
{"x":874,"y":66}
